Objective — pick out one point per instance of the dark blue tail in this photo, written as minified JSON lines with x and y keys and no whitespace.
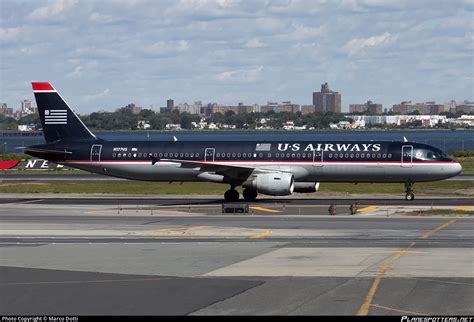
{"x":59,"y":121}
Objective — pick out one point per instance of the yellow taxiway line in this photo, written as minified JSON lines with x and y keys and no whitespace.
{"x":388,"y":264}
{"x":464,"y":208}
{"x":368,"y":208}
{"x":433,"y":231}
{"x":264,"y":209}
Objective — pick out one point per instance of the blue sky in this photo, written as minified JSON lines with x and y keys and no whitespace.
{"x":102,"y":55}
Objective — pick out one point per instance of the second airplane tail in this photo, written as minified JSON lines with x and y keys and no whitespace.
{"x":59,"y":121}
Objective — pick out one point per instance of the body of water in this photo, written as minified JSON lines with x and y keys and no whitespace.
{"x":446,"y":140}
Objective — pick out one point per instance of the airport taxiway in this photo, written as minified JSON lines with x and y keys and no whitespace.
{"x":149,"y":257}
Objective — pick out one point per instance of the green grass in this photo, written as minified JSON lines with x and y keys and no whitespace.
{"x":465,"y":188}
{"x":467,"y":164}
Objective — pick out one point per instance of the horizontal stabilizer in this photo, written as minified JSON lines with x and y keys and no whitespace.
{"x":47,"y":151}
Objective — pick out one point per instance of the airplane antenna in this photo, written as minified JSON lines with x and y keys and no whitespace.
{"x":405,"y":139}
{"x":175,"y":139}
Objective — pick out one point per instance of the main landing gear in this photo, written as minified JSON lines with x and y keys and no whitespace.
{"x":249,"y":194}
{"x":232,"y":195}
{"x":409,"y":191}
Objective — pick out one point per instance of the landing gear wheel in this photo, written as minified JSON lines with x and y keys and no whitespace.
{"x":231,"y":195}
{"x":250,"y":195}
{"x":409,"y":191}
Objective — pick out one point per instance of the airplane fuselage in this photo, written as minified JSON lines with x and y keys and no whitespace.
{"x":318,"y":161}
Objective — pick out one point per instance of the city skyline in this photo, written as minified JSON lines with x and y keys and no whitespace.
{"x":101,"y":55}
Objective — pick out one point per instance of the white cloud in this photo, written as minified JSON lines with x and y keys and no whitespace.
{"x":242,"y":75}
{"x":11,"y":34}
{"x":76,"y":73}
{"x":254,"y":43}
{"x":302,"y":32}
{"x":356,"y":45}
{"x":55,"y":9}
{"x":93,"y":97}
{"x":164,"y":48}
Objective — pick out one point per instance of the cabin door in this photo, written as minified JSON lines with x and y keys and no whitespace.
{"x":407,"y":156}
{"x":209,"y":154}
{"x":95,"y":153}
{"x":318,"y":158}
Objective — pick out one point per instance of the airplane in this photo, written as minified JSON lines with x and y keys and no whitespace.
{"x":276,"y":168}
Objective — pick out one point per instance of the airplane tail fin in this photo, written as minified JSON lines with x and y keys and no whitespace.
{"x":59,"y":121}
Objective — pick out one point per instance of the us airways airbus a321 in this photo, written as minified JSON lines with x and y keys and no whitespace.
{"x":276,"y":168}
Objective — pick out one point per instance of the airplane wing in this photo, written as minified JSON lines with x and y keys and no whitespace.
{"x":231,"y":172}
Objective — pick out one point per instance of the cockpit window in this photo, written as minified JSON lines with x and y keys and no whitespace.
{"x":425,"y":154}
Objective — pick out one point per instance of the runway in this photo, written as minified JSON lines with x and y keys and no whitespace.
{"x":64,"y":256}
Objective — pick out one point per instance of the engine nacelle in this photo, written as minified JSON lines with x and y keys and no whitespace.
{"x":273,"y":184}
{"x":306,"y":187}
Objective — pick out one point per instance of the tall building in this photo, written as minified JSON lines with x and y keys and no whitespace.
{"x":369,"y":107}
{"x":4,"y":109}
{"x":327,"y":100}
{"x":26,"y":108}
{"x":170,"y":104}
{"x":423,"y":108}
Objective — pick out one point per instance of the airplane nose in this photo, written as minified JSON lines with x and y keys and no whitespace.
{"x":455,"y":169}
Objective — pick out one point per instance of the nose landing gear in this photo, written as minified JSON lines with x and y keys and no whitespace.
{"x":409,"y":191}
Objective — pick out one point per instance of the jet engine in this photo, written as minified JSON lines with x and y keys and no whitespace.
{"x":306,"y":187}
{"x":273,"y":184}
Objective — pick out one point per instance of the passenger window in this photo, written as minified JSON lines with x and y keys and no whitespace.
{"x":197,"y":155}
{"x":186,"y":155}
{"x":228,"y":155}
{"x":288,"y":155}
{"x":373,"y":155}
{"x":119,"y":155}
{"x":269,"y":155}
{"x":384,"y":156}
{"x":304,"y":155}
{"x":378,"y":156}
{"x":389,"y":155}
{"x":233,"y":155}
{"x":239,"y":155}
{"x":139,"y":155}
{"x":357,"y":155}
{"x":330,"y":155}
{"x":218,"y":155}
{"x":113,"y":155}
{"x":192,"y":155}
{"x":292,"y":155}
{"x":161,"y":155}
{"x":347,"y":155}
{"x":298,"y":155}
